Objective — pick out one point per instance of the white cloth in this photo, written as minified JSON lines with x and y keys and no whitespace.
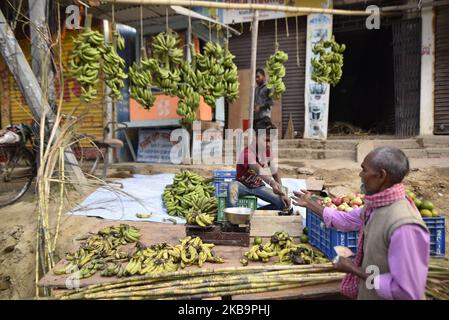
{"x":143,"y":194}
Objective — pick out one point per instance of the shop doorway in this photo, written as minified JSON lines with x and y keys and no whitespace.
{"x":365,"y":97}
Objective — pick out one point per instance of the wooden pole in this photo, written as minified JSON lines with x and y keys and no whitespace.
{"x":254,"y":37}
{"x":242,"y":6}
{"x":32,"y":92}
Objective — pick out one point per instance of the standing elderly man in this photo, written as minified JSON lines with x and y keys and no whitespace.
{"x":393,"y":238}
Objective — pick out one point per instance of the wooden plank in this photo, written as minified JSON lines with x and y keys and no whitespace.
{"x":153,"y":232}
{"x":239,"y":109}
{"x":266,"y":226}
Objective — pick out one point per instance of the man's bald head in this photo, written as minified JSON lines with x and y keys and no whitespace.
{"x":392,"y":160}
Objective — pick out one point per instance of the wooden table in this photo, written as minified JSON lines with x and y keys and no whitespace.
{"x":159,"y":232}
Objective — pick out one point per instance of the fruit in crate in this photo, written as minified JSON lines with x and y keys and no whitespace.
{"x":426,"y":213}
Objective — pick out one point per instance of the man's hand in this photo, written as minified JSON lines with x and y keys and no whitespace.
{"x":287,"y":202}
{"x":346,"y":265}
{"x":277,"y":188}
{"x":302,"y":198}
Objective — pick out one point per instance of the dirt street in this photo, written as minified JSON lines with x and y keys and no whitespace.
{"x":18,"y":223}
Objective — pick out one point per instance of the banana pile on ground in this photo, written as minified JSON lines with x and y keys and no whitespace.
{"x":187,"y":188}
{"x":165,"y":62}
{"x":101,"y":252}
{"x":281,"y":245}
{"x":141,"y":78}
{"x":161,"y":258}
{"x":203,"y":211}
{"x":276,"y":72}
{"x":85,"y":62}
{"x":328,"y":68}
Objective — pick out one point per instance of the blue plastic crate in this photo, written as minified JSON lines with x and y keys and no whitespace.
{"x":221,"y":181}
{"x":325,"y":239}
{"x":437,"y":235}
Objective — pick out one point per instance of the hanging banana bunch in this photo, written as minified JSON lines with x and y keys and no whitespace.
{"x":231,"y":77}
{"x":84,"y":64}
{"x":141,"y":79}
{"x":120,"y":40}
{"x":165,"y":61}
{"x":188,"y":93}
{"x":328,"y":67}
{"x":276,"y":72}
{"x":113,"y":66}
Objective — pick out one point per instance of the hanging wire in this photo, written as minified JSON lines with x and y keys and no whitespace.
{"x":276,"y":44}
{"x":166,"y":19}
{"x":210,"y":32}
{"x":297,"y":42}
{"x":141,"y":25}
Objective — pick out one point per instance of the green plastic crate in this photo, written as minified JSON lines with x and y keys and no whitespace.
{"x":244,"y":202}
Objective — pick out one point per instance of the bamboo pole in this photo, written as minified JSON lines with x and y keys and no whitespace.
{"x":242,"y":6}
{"x":254,"y":37}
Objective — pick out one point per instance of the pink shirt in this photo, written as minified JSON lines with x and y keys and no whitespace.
{"x":408,"y":256}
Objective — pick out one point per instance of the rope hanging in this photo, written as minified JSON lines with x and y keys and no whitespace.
{"x":286,"y":26}
{"x":276,"y":44}
{"x":166,"y":19}
{"x":141,"y":29}
{"x":297,"y":42}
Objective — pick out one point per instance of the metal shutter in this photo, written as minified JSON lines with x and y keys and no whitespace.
{"x":293,"y":99}
{"x":441,"y":117}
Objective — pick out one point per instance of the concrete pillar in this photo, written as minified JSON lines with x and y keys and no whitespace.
{"x":427,"y":71}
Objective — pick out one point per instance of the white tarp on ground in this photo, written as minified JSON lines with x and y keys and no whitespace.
{"x":145,"y":196}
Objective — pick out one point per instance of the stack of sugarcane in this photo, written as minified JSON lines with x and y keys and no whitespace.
{"x":186,"y":189}
{"x":199,"y":284}
{"x":438,"y":279}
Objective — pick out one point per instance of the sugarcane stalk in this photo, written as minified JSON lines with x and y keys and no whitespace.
{"x":172,"y":286}
{"x":126,"y":282}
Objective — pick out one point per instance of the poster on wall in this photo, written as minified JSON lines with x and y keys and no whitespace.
{"x":155,"y":147}
{"x":319,"y":27}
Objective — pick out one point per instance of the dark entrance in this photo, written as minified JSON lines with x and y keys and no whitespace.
{"x":365,"y":96}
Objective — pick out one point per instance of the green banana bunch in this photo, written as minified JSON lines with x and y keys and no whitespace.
{"x":230,"y":75}
{"x":120,"y":40}
{"x":165,"y":61}
{"x":84,"y":63}
{"x":113,"y":66}
{"x":98,"y":249}
{"x":187,"y":189}
{"x":281,"y":245}
{"x":200,"y":219}
{"x":141,"y":79}
{"x":188,"y":93}
{"x":328,"y":67}
{"x":276,"y":72}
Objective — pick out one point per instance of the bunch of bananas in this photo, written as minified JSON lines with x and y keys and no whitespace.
{"x":328,"y":67}
{"x":99,"y":249}
{"x":258,"y":253}
{"x":120,"y":40}
{"x":165,"y":61}
{"x":113,"y":66}
{"x":189,"y":92}
{"x":113,"y":269}
{"x":301,"y":254}
{"x":219,"y":73}
{"x":163,"y":257}
{"x":199,"y":218}
{"x":281,"y":245}
{"x":276,"y":72}
{"x":231,"y":77}
{"x":140,"y":76}
{"x":84,"y":62}
{"x":187,"y":188}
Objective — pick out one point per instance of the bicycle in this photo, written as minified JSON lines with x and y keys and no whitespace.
{"x":18,"y":167}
